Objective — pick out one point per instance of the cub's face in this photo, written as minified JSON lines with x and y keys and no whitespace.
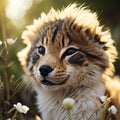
{"x":67,"y":48}
{"x":64,"y":56}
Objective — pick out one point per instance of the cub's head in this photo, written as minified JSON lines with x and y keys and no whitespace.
{"x":67,"y":48}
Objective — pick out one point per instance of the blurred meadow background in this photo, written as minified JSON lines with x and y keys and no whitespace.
{"x":15,"y":15}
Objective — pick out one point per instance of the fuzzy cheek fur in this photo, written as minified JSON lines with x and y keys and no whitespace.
{"x":68,"y":55}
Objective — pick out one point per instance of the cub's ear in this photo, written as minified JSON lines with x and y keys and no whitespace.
{"x":87,"y":36}
{"x":91,"y":35}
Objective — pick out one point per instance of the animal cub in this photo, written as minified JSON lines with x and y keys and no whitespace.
{"x":68,"y":55}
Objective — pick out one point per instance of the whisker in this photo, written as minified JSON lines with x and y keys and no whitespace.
{"x":22,"y":84}
{"x":17,"y":80}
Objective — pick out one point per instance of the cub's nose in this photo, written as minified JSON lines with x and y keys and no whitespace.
{"x":45,"y":70}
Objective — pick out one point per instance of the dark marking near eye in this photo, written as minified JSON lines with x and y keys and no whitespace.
{"x":78,"y":58}
{"x":93,"y":56}
{"x":63,"y":41}
{"x":35,"y":57}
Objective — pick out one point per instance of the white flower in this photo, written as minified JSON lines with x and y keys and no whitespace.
{"x":0,"y":42}
{"x":21,"y":108}
{"x":68,"y":103}
{"x":103,"y":98}
{"x":113,"y":109}
{"x":11,"y":41}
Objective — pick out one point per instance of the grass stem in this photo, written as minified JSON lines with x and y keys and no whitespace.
{"x":5,"y":77}
{"x":69,"y":114}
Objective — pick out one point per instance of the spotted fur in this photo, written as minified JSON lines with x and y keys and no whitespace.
{"x":80,"y":55}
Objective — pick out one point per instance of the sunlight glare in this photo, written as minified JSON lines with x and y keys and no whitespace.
{"x":16,"y":9}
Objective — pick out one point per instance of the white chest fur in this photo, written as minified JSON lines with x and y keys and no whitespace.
{"x":86,"y":101}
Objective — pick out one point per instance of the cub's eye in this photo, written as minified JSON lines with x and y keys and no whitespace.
{"x":41,"y":50}
{"x":68,"y":52}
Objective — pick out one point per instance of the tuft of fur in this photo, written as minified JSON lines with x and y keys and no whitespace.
{"x":87,"y":71}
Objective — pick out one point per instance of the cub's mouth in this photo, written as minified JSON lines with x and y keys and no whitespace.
{"x":49,"y":83}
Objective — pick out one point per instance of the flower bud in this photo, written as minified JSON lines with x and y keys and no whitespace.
{"x":68,"y":103}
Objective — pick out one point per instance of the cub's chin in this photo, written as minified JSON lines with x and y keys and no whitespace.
{"x":47,"y":82}
{"x":52,"y":86}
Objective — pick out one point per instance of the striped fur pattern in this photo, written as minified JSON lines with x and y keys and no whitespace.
{"x":79,"y":54}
